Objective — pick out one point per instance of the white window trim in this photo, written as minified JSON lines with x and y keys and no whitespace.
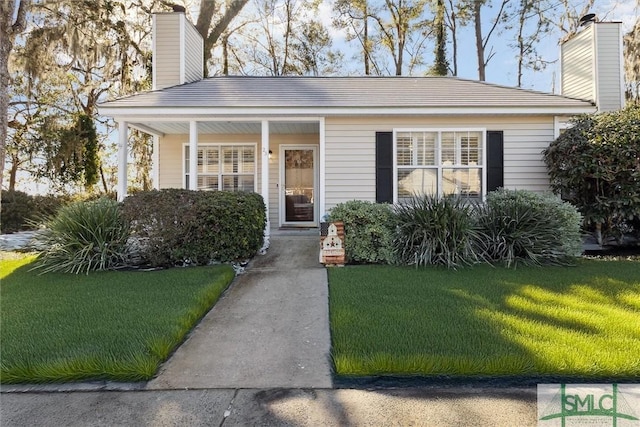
{"x":438,"y":158}
{"x":222,"y":144}
{"x":561,"y":123}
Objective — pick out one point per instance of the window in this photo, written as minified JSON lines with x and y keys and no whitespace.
{"x":224,"y":167}
{"x":439,"y":162}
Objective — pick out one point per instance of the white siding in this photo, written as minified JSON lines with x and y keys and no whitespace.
{"x":194,"y":47}
{"x":166,"y":56}
{"x":592,"y":65}
{"x":171,"y":169}
{"x":577,"y":63}
{"x":350,"y":151}
{"x":610,"y":96}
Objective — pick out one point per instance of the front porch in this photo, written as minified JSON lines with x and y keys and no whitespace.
{"x":281,"y":159}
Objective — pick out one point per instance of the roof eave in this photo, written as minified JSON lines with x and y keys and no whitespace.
{"x":186,"y":113}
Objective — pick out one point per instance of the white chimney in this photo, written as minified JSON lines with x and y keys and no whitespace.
{"x":592,"y":65}
{"x":177,"y":50}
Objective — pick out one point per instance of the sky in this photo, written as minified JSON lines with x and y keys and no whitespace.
{"x":502,"y":68}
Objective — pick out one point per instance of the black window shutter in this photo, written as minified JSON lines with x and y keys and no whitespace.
{"x":384,"y":167}
{"x":495,"y":160}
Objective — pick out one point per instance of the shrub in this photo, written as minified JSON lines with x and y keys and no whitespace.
{"x":595,"y":165}
{"x":437,"y":231}
{"x":523,"y":226}
{"x":17,"y":209}
{"x":21,"y":211}
{"x":196,"y":227}
{"x":82,"y":237}
{"x":368,"y":229}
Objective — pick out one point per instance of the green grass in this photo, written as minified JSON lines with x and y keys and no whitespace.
{"x":107,"y":325}
{"x":581,"y":321}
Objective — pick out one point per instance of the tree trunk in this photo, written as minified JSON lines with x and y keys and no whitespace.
{"x":13,"y":173}
{"x":477,"y":5}
{"x":207,"y":10}
{"x":9,"y":29}
{"x":454,"y":38}
{"x":365,"y":43}
{"x":225,"y":56}
{"x":441,"y":66}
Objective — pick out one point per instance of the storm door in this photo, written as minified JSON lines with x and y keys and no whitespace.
{"x":298,"y":185}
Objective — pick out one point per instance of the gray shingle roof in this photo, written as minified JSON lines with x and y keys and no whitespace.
{"x":340,"y":92}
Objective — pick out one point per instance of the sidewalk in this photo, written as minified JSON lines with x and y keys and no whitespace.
{"x":270,"y":330}
{"x":457,"y":407}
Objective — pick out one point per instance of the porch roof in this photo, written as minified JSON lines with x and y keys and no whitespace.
{"x":325,"y":95}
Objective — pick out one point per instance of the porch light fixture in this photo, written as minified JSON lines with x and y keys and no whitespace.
{"x":270,"y":154}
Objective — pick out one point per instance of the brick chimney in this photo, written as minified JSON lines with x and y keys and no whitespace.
{"x":177,"y":50}
{"x":592,"y":65}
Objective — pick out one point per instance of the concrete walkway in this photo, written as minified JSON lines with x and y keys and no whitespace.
{"x":270,"y":330}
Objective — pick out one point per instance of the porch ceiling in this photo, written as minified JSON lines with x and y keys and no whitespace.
{"x":217,"y":127}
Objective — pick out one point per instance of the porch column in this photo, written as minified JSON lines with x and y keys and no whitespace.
{"x":193,"y":155}
{"x":155,"y":163}
{"x":123,"y":136}
{"x":265,"y":172}
{"x":321,"y":178}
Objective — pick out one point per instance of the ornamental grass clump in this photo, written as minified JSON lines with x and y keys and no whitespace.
{"x":83,"y":237}
{"x":521,"y":226}
{"x":436,"y":231}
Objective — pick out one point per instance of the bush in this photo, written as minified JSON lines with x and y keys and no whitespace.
{"x":21,"y":211}
{"x":83,"y":237}
{"x":522,"y":226}
{"x":595,"y":165}
{"x":196,"y":227}
{"x":438,"y":231}
{"x":17,"y":209}
{"x":368,"y":229}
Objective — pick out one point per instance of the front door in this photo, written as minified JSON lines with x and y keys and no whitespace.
{"x":298,"y":185}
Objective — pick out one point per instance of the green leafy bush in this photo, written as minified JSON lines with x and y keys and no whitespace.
{"x":595,"y":164}
{"x":369,"y":229}
{"x":17,"y":209}
{"x":196,"y":227}
{"x":530,"y":228}
{"x":21,"y":211}
{"x":82,"y":237}
{"x":436,"y":231}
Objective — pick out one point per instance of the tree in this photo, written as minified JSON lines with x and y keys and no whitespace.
{"x":312,"y":50}
{"x":210,"y":31}
{"x":457,"y":15}
{"x":632,"y":63}
{"x":595,"y":165}
{"x":568,"y":20}
{"x":89,"y":52}
{"x":12,"y":23}
{"x":529,"y":34}
{"x":441,"y":65}
{"x":30,"y":101}
{"x":353,"y":16}
{"x":285,"y":39}
{"x":403,"y":30}
{"x":483,"y":41}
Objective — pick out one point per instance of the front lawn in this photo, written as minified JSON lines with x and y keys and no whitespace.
{"x":576,"y":322}
{"x":107,"y":325}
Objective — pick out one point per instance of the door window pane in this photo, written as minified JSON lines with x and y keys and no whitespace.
{"x":299,"y":183}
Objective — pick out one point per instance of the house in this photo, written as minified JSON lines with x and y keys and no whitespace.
{"x":309,"y":143}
